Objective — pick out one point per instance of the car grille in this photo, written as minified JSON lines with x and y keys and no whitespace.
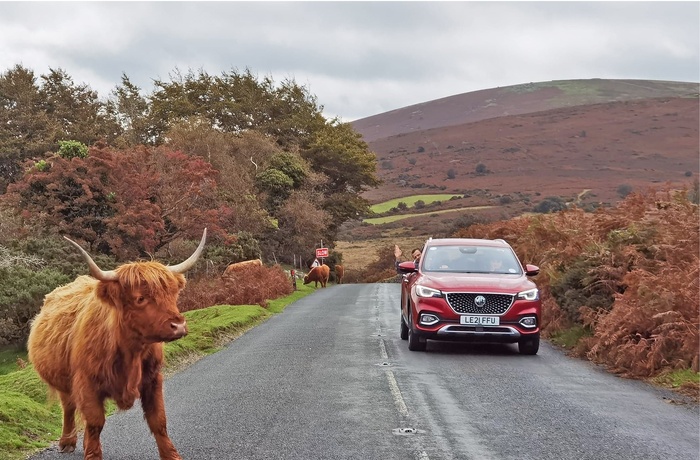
{"x":496,"y":304}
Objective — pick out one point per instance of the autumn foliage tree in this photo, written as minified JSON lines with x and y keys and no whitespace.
{"x":126,"y":203}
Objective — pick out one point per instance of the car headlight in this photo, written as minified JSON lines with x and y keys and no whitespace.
{"x":423,"y":291}
{"x":532,"y":294}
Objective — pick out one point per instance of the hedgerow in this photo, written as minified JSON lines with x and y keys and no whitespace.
{"x":255,"y":285}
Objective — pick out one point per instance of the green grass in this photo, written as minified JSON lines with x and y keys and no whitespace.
{"x":380,"y":208}
{"x":387,"y":219}
{"x":8,"y":358}
{"x":29,"y":420}
{"x":569,"y":337}
{"x":677,"y":379}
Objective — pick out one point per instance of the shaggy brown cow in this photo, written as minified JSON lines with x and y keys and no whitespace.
{"x":232,"y":269}
{"x":339,"y":272}
{"x":101,"y":337}
{"x":318,"y":275}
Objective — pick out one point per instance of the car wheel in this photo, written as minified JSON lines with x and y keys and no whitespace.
{"x":414,"y":343}
{"x":529,"y":345}
{"x":404,"y":329}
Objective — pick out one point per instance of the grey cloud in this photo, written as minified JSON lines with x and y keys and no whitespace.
{"x":359,"y":58}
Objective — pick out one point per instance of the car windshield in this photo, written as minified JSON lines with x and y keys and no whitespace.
{"x":471,"y":259}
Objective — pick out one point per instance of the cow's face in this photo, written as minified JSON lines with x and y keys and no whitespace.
{"x":146,"y":294}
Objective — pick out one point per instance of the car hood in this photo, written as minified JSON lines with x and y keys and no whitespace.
{"x":459,"y":282}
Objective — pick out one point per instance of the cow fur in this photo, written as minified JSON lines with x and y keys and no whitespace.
{"x":233,"y":269}
{"x":318,"y":275}
{"x":339,"y":272}
{"x":94,"y":340}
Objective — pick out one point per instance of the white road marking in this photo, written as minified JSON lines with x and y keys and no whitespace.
{"x":396,"y":394}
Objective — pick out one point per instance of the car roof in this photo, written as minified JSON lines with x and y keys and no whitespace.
{"x":497,"y":243}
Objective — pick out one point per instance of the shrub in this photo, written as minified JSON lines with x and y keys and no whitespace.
{"x":451,"y":173}
{"x":402,"y":206}
{"x":41,"y":165}
{"x":245,"y":247}
{"x":578,"y":287}
{"x":387,"y":164}
{"x":72,"y":149}
{"x":412,"y":161}
{"x":254,"y":286}
{"x":481,"y":169}
{"x":623,"y":190}
{"x":22,"y":291}
{"x":29,"y":270}
{"x":505,"y":199}
{"x":419,"y":204}
{"x":550,"y":204}
{"x":421,"y":149}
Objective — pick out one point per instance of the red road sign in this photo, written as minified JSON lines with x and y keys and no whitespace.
{"x":322,"y":252}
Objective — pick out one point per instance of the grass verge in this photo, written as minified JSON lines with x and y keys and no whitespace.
{"x":31,"y":420}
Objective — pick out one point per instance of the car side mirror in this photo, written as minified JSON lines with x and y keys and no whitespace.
{"x":407,"y":267}
{"x":532,"y":270}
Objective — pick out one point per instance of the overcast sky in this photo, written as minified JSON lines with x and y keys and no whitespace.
{"x":358,"y":58}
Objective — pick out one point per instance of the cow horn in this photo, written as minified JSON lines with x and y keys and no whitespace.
{"x":189,"y":263}
{"x":95,"y":271}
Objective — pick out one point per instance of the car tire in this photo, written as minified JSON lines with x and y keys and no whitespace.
{"x":404,"y":329}
{"x":414,"y":342}
{"x":529,"y":345}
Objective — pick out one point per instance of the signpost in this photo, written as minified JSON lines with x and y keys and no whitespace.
{"x":321,"y":253}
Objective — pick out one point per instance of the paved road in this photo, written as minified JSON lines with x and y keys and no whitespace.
{"x":329,"y":378}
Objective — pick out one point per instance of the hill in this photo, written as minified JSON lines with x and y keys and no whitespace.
{"x":590,"y":141}
{"x":514,"y":100}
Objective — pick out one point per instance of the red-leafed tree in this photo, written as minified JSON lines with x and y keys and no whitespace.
{"x":186,"y":192}
{"x":126,"y":203}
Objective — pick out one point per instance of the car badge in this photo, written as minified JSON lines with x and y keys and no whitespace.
{"x":480,"y":301}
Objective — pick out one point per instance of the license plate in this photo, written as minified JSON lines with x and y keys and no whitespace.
{"x":480,"y":320}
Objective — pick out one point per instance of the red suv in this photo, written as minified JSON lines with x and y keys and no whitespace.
{"x":470,"y":290}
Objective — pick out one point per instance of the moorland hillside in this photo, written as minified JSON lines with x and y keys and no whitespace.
{"x":585,"y":141}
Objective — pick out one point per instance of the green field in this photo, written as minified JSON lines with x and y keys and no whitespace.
{"x":380,"y":208}
{"x":388,"y":219}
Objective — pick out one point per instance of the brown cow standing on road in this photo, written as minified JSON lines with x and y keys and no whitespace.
{"x":339,"y":272}
{"x":101,"y":337}
{"x":318,"y":275}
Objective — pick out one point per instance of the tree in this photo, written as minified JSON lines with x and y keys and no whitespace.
{"x":127,"y":203}
{"x":275,"y":185}
{"x":236,"y":102}
{"x":74,"y":111}
{"x":292,"y":166}
{"x":88,"y":198}
{"x":185,"y":190}
{"x":129,"y":111}
{"x":301,"y":225}
{"x":24,"y":126}
{"x":339,"y":152}
{"x":235,"y":158}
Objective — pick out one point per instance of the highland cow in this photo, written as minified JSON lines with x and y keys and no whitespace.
{"x":102,"y":336}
